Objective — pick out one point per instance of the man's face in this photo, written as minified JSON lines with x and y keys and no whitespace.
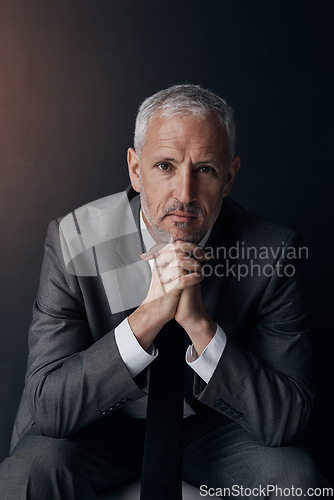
{"x":182,"y":176}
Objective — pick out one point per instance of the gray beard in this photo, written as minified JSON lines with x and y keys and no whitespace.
{"x":164,"y":235}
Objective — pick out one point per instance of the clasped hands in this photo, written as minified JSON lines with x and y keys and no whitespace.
{"x":174,"y":292}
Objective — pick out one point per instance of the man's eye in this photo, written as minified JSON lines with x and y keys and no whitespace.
{"x":163,"y":166}
{"x":205,"y":169}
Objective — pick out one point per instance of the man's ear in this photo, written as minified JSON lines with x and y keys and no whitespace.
{"x":232,"y":172}
{"x":133,"y":166}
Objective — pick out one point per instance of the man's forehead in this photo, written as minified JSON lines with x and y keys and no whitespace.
{"x":166,"y":121}
{"x":205,"y":133}
{"x":170,"y":151}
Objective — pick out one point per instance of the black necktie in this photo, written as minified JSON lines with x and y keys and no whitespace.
{"x":162,"y":459}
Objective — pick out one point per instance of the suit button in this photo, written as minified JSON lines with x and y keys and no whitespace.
{"x":126,"y":400}
{"x":231,"y":412}
{"x":219,"y":403}
{"x":238,"y":416}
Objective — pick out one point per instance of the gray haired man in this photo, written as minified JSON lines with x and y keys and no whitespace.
{"x":115,"y":272}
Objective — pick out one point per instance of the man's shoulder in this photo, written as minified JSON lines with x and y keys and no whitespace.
{"x":250,"y":227}
{"x":102,"y":219}
{"x":95,"y":233}
{"x":113,"y":205}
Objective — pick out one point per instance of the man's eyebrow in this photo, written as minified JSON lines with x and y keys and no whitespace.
{"x":210,"y":161}
{"x":165,"y":158}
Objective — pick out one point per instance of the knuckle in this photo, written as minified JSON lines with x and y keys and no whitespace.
{"x":197,"y":267}
{"x":182,"y":279}
{"x":198,"y":253}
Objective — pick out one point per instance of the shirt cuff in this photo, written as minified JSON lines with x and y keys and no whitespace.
{"x":134,"y":356}
{"x":205,"y":364}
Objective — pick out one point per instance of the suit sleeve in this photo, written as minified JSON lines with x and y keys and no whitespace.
{"x":264,"y":382}
{"x":71,"y":380}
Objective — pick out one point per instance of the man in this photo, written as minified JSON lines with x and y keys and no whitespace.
{"x":115,"y":272}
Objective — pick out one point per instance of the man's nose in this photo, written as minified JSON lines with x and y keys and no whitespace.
{"x":185,"y":188}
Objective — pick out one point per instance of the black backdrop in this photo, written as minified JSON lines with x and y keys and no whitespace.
{"x":72,"y":73}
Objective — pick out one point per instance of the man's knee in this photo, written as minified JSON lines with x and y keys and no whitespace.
{"x":42,"y":454}
{"x":38,"y":462}
{"x":290,"y":468}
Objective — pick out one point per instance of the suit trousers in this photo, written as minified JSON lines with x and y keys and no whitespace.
{"x":217,"y":453}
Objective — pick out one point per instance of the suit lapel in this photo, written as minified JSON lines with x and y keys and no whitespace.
{"x":126,"y":286}
{"x":214,"y":284}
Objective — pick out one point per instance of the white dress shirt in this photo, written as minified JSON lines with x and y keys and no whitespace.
{"x":137,"y":359}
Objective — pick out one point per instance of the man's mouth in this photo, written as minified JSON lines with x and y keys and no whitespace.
{"x":181,"y":216}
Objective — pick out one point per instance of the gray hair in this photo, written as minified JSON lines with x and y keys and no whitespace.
{"x":180,"y":100}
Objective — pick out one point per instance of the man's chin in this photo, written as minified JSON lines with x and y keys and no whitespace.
{"x":182,"y":235}
{"x":178,"y":232}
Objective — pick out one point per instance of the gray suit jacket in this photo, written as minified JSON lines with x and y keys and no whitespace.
{"x":92,"y":278}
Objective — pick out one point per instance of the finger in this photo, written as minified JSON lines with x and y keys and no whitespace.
{"x":165,"y":251}
{"x":171,"y":273}
{"x":163,"y":289}
{"x":166,"y":258}
{"x":168,"y":251}
{"x":187,"y":248}
{"x":190,"y":265}
{"x":177,"y":261}
{"x":155,"y":251}
{"x":182,"y":282}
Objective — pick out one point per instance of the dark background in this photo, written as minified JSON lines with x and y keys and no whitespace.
{"x":72,"y":74}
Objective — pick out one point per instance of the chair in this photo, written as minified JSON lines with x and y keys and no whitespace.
{"x":132,"y":492}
